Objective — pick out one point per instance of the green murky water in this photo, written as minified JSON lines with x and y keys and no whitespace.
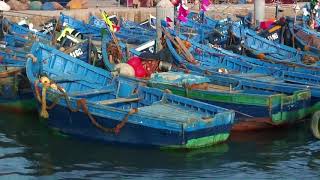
{"x":29,"y":150}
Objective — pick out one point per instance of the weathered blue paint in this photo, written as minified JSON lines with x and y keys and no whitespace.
{"x":211,"y":61}
{"x":162,"y":119}
{"x":294,"y":28}
{"x":147,"y":30}
{"x":18,"y":30}
{"x":132,"y":36}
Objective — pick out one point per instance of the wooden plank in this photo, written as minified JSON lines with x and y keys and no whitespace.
{"x":66,"y":78}
{"x":116,"y":42}
{"x":104,"y":90}
{"x":186,"y":51}
{"x":117,"y":100}
{"x":179,"y":45}
{"x":169,"y":36}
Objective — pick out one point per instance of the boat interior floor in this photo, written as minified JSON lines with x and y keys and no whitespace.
{"x":258,"y":76}
{"x":219,"y":88}
{"x":172,"y":111}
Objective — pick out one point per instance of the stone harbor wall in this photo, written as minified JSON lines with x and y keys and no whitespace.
{"x":140,"y":14}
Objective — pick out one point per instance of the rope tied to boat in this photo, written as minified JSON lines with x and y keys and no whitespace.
{"x":45,"y":85}
{"x":309,"y":59}
{"x":114,"y":52}
{"x":80,"y":104}
{"x":32,"y":57}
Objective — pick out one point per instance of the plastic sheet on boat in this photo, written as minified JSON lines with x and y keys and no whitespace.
{"x":178,"y":78}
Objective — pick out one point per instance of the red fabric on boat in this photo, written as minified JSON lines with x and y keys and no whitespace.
{"x":266,"y":24}
{"x":134,"y":61}
{"x":140,"y":72}
{"x":151,"y":66}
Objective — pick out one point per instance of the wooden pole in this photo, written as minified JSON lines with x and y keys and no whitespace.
{"x":164,"y":9}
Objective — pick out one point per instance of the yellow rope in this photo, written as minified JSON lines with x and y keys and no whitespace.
{"x":81,"y":104}
{"x":44,"y":113}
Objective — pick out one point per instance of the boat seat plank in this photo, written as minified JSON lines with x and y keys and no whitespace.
{"x":104,"y":90}
{"x":66,"y":78}
{"x":117,"y":100}
{"x":252,"y":75}
{"x":265,"y":78}
{"x":218,"y":87}
{"x":176,"y":112}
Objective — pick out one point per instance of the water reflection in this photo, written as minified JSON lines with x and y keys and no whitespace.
{"x":28,"y":147}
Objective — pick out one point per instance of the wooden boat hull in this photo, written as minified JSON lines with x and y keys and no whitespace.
{"x":21,"y":31}
{"x":79,"y":125}
{"x":306,"y":39}
{"x":127,"y":35}
{"x":253,"y":112}
{"x":256,"y":106}
{"x":265,"y":49}
{"x":161,"y":119}
{"x":15,"y":92}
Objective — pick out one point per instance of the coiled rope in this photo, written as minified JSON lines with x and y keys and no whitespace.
{"x":81,"y":104}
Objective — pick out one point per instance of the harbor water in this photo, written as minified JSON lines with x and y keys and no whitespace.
{"x":29,"y":150}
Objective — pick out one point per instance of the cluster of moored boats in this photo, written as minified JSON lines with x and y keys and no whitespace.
{"x":104,"y":80}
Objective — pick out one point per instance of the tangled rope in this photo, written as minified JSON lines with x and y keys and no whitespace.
{"x":81,"y":105}
{"x":115,"y":53}
{"x":309,"y":59}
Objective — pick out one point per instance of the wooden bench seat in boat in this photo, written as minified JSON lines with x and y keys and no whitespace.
{"x":117,"y":100}
{"x":219,"y":88}
{"x":252,"y":75}
{"x":90,"y":92}
{"x":266,"y":52}
{"x":172,"y":111}
{"x":66,"y":78}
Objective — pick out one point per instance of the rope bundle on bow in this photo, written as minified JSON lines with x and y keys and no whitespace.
{"x":81,"y":104}
{"x":115,"y":53}
{"x":309,"y":59}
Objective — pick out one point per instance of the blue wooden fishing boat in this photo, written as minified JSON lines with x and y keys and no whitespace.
{"x":257,"y":105}
{"x":227,"y":71}
{"x":81,"y":26}
{"x":15,"y":92}
{"x":127,"y":35}
{"x":146,"y":29}
{"x":19,"y":36}
{"x":305,"y":38}
{"x":249,"y":42}
{"x":265,"y":49}
{"x":205,"y":54}
{"x":17,"y":30}
{"x":199,"y":20}
{"x":290,"y":33}
{"x":283,"y":65}
{"x":89,"y":103}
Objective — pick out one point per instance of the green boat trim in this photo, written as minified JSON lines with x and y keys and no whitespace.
{"x":240,"y":98}
{"x":201,"y":142}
